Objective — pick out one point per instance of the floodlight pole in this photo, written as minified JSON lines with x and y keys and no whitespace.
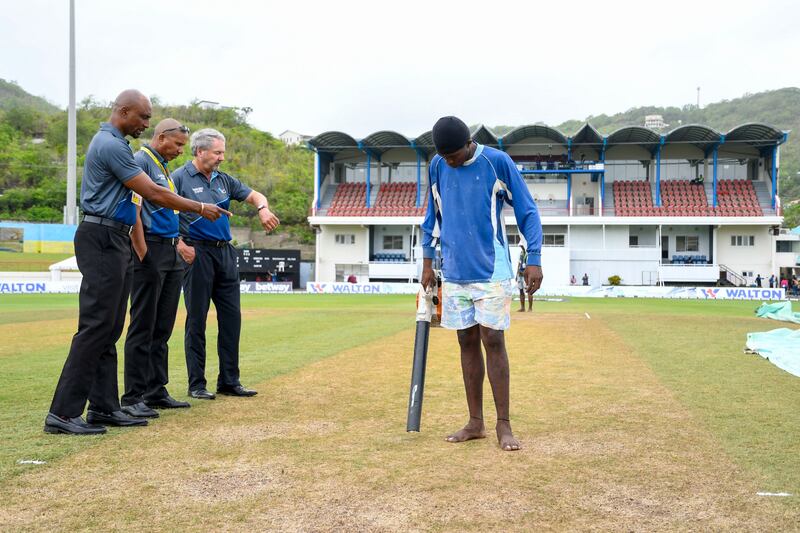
{"x":70,"y":213}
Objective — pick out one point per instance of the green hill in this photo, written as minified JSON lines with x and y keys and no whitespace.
{"x":12,"y":95}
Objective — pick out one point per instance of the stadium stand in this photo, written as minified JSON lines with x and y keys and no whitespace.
{"x":684,"y":198}
{"x":681,"y":198}
{"x":394,"y":199}
{"x":633,"y":198}
{"x":350,"y":200}
{"x":397,"y":199}
{"x":737,"y":198}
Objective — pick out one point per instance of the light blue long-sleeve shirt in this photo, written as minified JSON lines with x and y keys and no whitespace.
{"x":469,"y":221}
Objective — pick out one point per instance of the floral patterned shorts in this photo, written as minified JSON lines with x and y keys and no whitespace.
{"x":486,"y":303}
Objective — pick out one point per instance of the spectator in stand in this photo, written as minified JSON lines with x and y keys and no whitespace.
{"x":573,"y":280}
{"x":585,"y":279}
{"x":698,"y":180}
{"x":795,"y":285}
{"x":772,"y":281}
{"x":758,"y":280}
{"x":784,"y":283}
{"x":352,"y":278}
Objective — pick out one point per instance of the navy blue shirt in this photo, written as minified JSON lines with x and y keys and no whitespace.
{"x":157,"y":220}
{"x":193,"y":184}
{"x":109,"y":163}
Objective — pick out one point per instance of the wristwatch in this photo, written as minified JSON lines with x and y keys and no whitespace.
{"x":260,"y":207}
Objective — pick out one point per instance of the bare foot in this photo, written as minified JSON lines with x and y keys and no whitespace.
{"x":473,"y":430}
{"x":506,"y":438}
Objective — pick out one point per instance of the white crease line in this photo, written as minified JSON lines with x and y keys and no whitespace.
{"x":587,"y":316}
{"x":773,"y":494}
{"x":31,"y":462}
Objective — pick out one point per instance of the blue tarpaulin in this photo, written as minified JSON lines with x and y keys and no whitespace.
{"x":778,"y":311}
{"x":781,"y":347}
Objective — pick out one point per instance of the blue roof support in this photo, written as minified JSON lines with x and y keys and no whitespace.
{"x":774,"y":176}
{"x":569,"y":194}
{"x":714,"y":199}
{"x":500,"y":145}
{"x":714,"y":194}
{"x":420,"y":154}
{"x":569,"y":149}
{"x":369,"y":167}
{"x":658,"y":170}
{"x":603,"y":175}
{"x":319,"y":178}
{"x":419,"y":178}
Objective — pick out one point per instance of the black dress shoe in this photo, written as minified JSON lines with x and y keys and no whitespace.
{"x":71,"y":426}
{"x":202,"y":394}
{"x":237,"y":390}
{"x":117,"y":418}
{"x":167,"y":403}
{"x":139,"y":410}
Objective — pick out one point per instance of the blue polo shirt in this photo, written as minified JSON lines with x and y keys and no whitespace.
{"x":193,"y":184}
{"x":109,"y":163}
{"x":157,"y":220}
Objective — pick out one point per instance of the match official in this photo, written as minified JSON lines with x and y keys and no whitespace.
{"x":157,"y":276}
{"x":211,"y":271}
{"x":110,"y":189}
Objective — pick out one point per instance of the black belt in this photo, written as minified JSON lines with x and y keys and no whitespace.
{"x":110,"y":222}
{"x":172,"y":241}
{"x":211,"y":244}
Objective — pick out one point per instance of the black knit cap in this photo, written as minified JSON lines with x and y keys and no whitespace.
{"x":450,"y":134}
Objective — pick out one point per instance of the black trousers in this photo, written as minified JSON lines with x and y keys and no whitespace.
{"x":154,"y":303}
{"x":213,"y":276}
{"x":90,"y":372}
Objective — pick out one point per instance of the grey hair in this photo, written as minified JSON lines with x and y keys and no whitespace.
{"x":202,"y":139}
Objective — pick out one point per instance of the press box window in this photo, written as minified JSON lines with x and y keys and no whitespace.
{"x":633,"y":240}
{"x":345,"y":238}
{"x":687,"y":243}
{"x":392,"y":242}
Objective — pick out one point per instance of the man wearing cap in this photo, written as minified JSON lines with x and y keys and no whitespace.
{"x":469,"y":184}
{"x":157,"y":275}
{"x":110,"y":191}
{"x":211,"y":273}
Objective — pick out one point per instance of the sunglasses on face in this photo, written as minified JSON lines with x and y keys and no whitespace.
{"x":182,"y":129}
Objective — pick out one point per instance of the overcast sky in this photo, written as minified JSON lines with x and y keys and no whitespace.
{"x":360,"y":67}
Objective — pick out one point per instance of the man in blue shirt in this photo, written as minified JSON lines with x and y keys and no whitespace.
{"x":157,"y":276}
{"x":469,"y":184}
{"x":211,"y":271}
{"x":111,"y":188}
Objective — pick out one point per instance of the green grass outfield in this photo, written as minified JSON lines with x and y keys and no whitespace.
{"x":749,"y":409}
{"x":29,"y":262}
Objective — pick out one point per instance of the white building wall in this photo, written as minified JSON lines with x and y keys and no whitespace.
{"x":543,"y":191}
{"x":380,"y":231}
{"x":555,"y":264}
{"x":756,"y":259}
{"x":700,"y":231}
{"x":330,"y":253}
